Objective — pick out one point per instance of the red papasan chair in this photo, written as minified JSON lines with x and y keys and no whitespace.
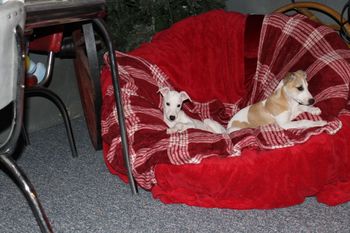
{"x":225,"y":61}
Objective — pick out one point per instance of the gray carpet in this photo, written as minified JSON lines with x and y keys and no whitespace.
{"x":80,"y":195}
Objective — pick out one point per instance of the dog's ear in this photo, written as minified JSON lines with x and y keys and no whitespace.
{"x":184,"y":96}
{"x":164,"y":90}
{"x":280,"y":85}
{"x":300,"y":73}
{"x":288,"y":78}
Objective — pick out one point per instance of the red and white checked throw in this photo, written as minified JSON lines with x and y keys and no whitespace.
{"x":287,"y":43}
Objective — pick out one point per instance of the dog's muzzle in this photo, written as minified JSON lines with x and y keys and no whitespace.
{"x":172,"y":118}
{"x":309,"y":102}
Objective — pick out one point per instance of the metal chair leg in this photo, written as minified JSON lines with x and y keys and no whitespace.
{"x":29,"y":192}
{"x":25,"y":136}
{"x":50,"y":95}
{"x":115,"y":79}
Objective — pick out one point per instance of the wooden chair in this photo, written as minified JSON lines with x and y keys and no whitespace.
{"x":309,"y":8}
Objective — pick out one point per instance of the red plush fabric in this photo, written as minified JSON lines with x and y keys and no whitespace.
{"x":186,"y":55}
{"x":264,"y":179}
{"x":258,"y":178}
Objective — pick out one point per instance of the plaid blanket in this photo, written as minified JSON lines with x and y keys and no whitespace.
{"x":286,"y":44}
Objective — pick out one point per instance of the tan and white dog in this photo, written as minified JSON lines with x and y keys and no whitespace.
{"x":177,"y":120}
{"x":290,"y":98}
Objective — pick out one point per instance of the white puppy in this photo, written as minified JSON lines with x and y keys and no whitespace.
{"x":177,"y":120}
{"x":290,"y":98}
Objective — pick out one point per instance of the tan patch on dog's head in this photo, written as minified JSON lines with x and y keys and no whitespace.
{"x":296,"y":88}
{"x":278,"y":102}
{"x":294,"y":80}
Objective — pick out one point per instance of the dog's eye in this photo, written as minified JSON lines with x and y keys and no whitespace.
{"x":301,"y":88}
{"x":167,"y":104}
{"x":178,"y":105}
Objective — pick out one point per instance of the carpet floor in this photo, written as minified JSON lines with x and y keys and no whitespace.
{"x":80,"y":195}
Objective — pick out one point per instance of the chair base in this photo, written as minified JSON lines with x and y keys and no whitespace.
{"x":50,"y":95}
{"x":29,"y":192}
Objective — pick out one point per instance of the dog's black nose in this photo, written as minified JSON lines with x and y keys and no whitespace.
{"x":311,"y":101}
{"x":172,"y":118}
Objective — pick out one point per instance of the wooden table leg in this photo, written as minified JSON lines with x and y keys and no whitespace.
{"x":88,"y":77}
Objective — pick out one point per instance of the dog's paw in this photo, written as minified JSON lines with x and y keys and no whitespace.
{"x":320,"y":123}
{"x":179,"y":127}
{"x":171,"y":130}
{"x":315,"y":111}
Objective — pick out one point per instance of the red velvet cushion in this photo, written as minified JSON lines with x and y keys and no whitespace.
{"x":263,"y":179}
{"x":258,"y":178}
{"x":185,"y":53}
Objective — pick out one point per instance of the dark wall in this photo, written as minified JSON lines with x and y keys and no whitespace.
{"x":266,"y":6}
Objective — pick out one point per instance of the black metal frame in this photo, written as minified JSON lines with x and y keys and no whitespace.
{"x":44,"y":92}
{"x":87,"y":15}
{"x":41,"y":90}
{"x":9,"y":146}
{"x":103,"y":32}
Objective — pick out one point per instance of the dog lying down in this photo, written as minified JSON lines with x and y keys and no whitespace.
{"x":177,"y":120}
{"x":290,"y":98}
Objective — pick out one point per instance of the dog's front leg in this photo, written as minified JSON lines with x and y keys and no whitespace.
{"x":310,"y":109}
{"x":301,"y":124}
{"x":303,"y":108}
{"x":284,"y":121}
{"x":180,"y":127}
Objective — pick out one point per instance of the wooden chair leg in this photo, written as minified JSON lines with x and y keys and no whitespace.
{"x":88,"y":77}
